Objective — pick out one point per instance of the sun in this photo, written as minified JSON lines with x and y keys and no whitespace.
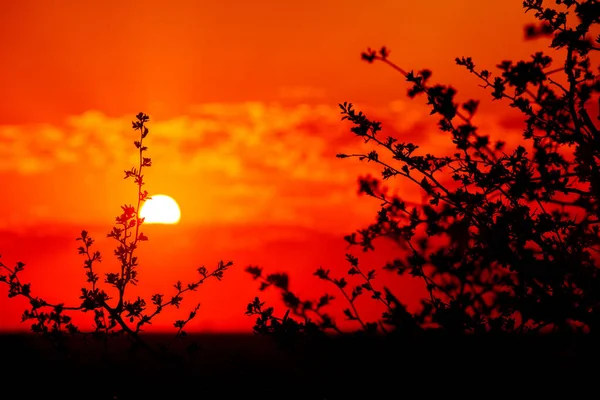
{"x":160,"y":209}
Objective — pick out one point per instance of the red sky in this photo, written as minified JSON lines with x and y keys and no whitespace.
{"x":243,"y":133}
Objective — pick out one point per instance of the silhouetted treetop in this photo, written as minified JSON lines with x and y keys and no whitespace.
{"x":113,"y":312}
{"x":508,"y":238}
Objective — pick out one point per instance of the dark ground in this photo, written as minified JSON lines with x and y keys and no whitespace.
{"x":238,"y":366}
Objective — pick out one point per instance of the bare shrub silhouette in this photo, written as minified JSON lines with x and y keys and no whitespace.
{"x":517,"y":229}
{"x":113,"y":314}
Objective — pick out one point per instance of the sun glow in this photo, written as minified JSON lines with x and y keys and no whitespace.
{"x":160,"y":209}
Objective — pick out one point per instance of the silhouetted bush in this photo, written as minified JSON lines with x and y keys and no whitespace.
{"x":516,"y":229}
{"x":113,"y":314}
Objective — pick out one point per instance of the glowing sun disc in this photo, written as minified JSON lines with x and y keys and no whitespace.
{"x":160,"y":209}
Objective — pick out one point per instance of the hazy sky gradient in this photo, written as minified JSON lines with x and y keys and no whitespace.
{"x":244,"y":123}
{"x":63,"y":58}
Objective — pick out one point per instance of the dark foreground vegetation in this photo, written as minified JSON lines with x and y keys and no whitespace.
{"x":252,"y":366}
{"x":507,"y":237}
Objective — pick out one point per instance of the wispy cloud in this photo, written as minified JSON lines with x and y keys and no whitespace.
{"x":255,"y":160}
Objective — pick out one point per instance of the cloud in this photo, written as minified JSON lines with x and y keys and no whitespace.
{"x":229,"y":162}
{"x":233,"y":139}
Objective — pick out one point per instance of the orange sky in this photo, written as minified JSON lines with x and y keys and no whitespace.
{"x":243,"y":133}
